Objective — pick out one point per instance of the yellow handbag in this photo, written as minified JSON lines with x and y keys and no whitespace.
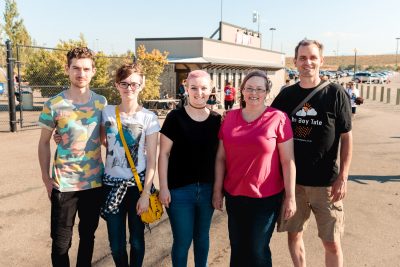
{"x":155,"y":210}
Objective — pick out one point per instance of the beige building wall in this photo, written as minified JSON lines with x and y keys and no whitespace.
{"x":177,"y":48}
{"x":168,"y":81}
{"x":225,"y":61}
{"x":241,"y":54}
{"x":240,"y":36}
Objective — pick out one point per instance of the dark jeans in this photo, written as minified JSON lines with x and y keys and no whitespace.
{"x":251,"y":222}
{"x":116,"y":226}
{"x":228,"y":104}
{"x":64,"y":206}
{"x":190,"y":213}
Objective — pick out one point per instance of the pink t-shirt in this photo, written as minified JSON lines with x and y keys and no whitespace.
{"x":252,"y":162}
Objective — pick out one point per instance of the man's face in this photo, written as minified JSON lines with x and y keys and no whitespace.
{"x":80,"y":72}
{"x":308,"y":61}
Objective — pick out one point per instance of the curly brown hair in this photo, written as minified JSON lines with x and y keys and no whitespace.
{"x":80,"y":52}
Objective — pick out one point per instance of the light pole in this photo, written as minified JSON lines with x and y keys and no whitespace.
{"x":221,"y":10}
{"x":256,"y":18}
{"x":397,"y":50}
{"x":355,"y":64}
{"x":272,"y":36}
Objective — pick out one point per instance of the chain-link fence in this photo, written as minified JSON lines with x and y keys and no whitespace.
{"x":39,"y":74}
{"x":4,"y":117}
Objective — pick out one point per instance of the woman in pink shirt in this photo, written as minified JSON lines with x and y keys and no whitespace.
{"x":254,"y":166}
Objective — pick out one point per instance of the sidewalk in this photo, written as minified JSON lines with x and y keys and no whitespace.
{"x":372,"y":205}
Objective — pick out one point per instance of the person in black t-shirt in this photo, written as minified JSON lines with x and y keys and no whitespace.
{"x":188,"y":146}
{"x":318,"y":127}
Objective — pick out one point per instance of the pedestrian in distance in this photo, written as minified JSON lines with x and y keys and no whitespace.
{"x":186,"y":165}
{"x":319,"y":123}
{"x":123,"y":202}
{"x":74,"y":185}
{"x":353,"y":93}
{"x":212,"y":100}
{"x":254,"y":169}
{"x":230,"y":96}
{"x":182,"y":95}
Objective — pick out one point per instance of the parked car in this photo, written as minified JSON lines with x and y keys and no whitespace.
{"x":362,"y":77}
{"x":376,"y":78}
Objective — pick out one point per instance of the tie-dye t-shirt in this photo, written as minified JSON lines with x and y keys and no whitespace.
{"x":135,"y":129}
{"x":77,"y":161}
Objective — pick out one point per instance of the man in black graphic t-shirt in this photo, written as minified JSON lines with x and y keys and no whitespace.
{"x":318,"y":127}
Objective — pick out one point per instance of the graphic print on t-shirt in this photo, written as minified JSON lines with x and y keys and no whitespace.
{"x":116,"y":157}
{"x":304,"y":125}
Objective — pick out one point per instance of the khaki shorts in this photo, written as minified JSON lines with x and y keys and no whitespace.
{"x":329,"y":216}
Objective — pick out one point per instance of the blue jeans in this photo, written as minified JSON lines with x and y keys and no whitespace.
{"x":64,"y":207}
{"x":251,"y":222}
{"x":190,"y":213}
{"x":116,"y":226}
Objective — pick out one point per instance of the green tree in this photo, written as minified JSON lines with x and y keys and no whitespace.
{"x":46,"y":67}
{"x":14,"y":27}
{"x":153,"y":64}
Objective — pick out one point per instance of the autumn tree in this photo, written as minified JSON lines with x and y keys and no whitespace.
{"x":153,"y":64}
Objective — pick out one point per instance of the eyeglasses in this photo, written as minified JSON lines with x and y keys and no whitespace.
{"x":253,"y":90}
{"x":133,"y":86}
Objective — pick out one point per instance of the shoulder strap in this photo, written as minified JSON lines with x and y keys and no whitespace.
{"x":128,"y":153}
{"x":310,"y":95}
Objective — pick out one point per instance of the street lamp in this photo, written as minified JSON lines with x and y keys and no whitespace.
{"x":221,"y":10}
{"x":355,"y":64}
{"x":256,"y":18}
{"x":397,"y":50}
{"x":272,"y":36}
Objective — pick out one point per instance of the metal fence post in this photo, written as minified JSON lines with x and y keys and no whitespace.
{"x":398,"y":97}
{"x":11,"y":90}
{"x":382,"y":92}
{"x":374,"y":93}
{"x":388,"y":96}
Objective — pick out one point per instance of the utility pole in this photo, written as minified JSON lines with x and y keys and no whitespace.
{"x":355,"y":64}
{"x":221,"y":10}
{"x":272,"y":36}
{"x":397,"y":50}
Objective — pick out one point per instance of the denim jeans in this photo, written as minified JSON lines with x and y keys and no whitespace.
{"x":116,"y":226}
{"x":64,"y":206}
{"x":190,"y":213}
{"x":251,"y":222}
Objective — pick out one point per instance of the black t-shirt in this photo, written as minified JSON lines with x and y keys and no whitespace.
{"x":192,"y":156}
{"x":316,"y":130}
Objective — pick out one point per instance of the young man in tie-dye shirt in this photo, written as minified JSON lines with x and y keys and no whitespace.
{"x":74,"y":185}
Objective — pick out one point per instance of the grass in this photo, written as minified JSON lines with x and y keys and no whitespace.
{"x":333,"y":62}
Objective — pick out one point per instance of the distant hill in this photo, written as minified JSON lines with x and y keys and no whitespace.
{"x":332,"y":62}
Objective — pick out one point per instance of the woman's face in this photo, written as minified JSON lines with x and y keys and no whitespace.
{"x":199,"y":89}
{"x":130,"y":87}
{"x":254,"y":91}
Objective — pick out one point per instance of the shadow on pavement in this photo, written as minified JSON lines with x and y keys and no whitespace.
{"x":362,"y":179}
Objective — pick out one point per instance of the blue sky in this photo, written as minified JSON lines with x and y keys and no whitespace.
{"x":111,"y":26}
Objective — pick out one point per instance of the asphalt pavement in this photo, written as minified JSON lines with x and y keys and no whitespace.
{"x":372,"y":205}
